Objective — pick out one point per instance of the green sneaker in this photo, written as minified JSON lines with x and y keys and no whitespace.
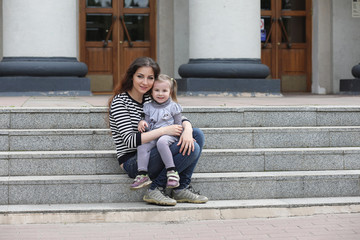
{"x":157,"y":196}
{"x":188,"y":195}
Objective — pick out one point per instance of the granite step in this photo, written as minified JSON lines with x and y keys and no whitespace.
{"x":38,"y":163}
{"x":203,"y":117}
{"x":216,"y":138}
{"x":72,"y":189}
{"x":141,"y":212}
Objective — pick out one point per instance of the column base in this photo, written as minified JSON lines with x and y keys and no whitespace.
{"x":350,"y":86}
{"x":229,"y":87}
{"x":35,"y":76}
{"x":238,"y":77}
{"x":44,"y":86}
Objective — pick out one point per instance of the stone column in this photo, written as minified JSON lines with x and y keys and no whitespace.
{"x":351,"y":86}
{"x":40,"y":49}
{"x":225,"y":50}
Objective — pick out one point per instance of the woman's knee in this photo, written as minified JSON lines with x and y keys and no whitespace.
{"x":194,"y":155}
{"x":199,"y":137}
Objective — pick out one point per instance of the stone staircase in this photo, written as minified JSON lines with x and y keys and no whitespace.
{"x":59,"y":165}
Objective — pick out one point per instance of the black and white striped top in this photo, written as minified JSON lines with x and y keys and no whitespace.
{"x":124,"y":116}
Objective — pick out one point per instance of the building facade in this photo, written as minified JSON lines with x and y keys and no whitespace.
{"x":239,"y":47}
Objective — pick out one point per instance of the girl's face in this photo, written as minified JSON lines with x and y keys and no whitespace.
{"x":143,"y":80}
{"x":161,"y":91}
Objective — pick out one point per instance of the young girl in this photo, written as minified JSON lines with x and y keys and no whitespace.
{"x":162,"y":111}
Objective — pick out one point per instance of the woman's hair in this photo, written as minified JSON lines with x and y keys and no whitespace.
{"x":126,"y":84}
{"x":173,"y":85}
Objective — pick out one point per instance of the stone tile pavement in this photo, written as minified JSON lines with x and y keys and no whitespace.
{"x":317,"y":227}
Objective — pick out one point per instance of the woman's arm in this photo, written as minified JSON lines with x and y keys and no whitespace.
{"x":173,"y":130}
{"x":186,"y":139}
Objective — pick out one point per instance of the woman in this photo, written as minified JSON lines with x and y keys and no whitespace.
{"x":125,"y":112}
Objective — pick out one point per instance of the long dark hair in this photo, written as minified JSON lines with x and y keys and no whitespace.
{"x":126,"y":84}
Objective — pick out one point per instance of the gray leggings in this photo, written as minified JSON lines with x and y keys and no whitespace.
{"x":162,"y":144}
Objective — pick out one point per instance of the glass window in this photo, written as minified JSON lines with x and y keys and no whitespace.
{"x":267,"y":26}
{"x":295,"y":28}
{"x":296,"y":5}
{"x":265,"y":4}
{"x":98,"y":26}
{"x":138,"y":27}
{"x":99,"y":3}
{"x":136,"y":3}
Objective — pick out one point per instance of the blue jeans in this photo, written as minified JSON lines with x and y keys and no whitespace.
{"x":185,"y":165}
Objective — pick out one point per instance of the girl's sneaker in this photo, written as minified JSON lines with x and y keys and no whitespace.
{"x":140,"y":181}
{"x":172,"y":179}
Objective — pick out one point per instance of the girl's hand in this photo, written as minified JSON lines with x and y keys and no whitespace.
{"x":187,"y":142}
{"x":142,"y":125}
{"x":173,"y":130}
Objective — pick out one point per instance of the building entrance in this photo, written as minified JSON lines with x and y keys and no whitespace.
{"x":112,"y":34}
{"x":286,"y":42}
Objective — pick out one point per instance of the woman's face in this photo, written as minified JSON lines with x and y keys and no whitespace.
{"x":143,"y":80}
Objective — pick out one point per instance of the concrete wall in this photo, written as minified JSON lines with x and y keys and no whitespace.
{"x":181,"y":34}
{"x":165,"y":36}
{"x":346,"y":41}
{"x":1,"y":30}
{"x":322,"y":47}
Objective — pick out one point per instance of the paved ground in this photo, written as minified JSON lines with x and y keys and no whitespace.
{"x":321,"y":227}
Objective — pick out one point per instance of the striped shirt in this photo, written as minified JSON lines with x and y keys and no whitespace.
{"x":124,"y":116}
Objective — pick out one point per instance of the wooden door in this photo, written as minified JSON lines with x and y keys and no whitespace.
{"x":112,"y":34}
{"x":286,"y":42}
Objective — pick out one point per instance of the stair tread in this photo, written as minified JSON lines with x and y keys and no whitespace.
{"x":223,"y":175}
{"x":212,"y":204}
{"x":91,"y":152}
{"x":31,"y":130}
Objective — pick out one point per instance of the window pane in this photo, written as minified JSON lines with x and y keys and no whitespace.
{"x":138,"y":27}
{"x":99,"y":3}
{"x":295,"y":28}
{"x":136,"y":3}
{"x":265,"y":4}
{"x":97,"y":26}
{"x":293,"y":5}
{"x":266,"y":31}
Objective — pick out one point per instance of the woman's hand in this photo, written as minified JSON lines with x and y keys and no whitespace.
{"x":173,"y":130}
{"x":186,"y":140}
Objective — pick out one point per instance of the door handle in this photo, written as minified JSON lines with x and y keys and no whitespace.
{"x":284,"y":32}
{"x":270,"y":31}
{"x":109,"y":31}
{"x":126,"y":30}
